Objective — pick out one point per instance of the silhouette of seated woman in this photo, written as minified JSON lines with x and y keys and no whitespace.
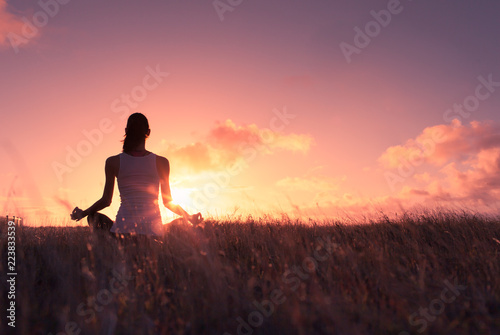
{"x":139,"y":174}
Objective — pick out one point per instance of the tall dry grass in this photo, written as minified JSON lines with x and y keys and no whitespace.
{"x":380,"y":277}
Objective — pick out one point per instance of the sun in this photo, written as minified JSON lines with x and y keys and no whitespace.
{"x":181,"y":196}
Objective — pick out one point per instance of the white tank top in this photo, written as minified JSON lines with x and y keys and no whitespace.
{"x":138,"y":183}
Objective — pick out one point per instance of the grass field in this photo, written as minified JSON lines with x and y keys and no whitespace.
{"x":437,"y":273}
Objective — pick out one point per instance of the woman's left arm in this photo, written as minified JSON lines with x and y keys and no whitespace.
{"x":107,"y":196}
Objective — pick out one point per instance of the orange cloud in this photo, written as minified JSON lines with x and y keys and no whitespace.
{"x":463,"y":165}
{"x":196,"y":156}
{"x":227,"y":144}
{"x":476,"y":179}
{"x":228,"y":136}
{"x":440,"y":144}
{"x":9,"y":23}
{"x":455,"y":167}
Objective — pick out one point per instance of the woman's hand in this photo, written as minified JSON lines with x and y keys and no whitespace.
{"x":196,"y":219}
{"x":193,"y":220}
{"x":77,"y":214}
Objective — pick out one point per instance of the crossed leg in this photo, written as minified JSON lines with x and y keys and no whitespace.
{"x":99,"y":221}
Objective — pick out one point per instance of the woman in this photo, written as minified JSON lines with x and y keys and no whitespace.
{"x":139,"y":174}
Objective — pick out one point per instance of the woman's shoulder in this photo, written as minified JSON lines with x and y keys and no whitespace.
{"x":113,"y":164}
{"x":113,"y":158}
{"x":162,"y":163}
{"x":161,"y":160}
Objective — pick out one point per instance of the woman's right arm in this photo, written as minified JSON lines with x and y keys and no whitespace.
{"x":110,"y":170}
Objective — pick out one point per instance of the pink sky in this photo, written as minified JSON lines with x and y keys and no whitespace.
{"x":258,"y":108}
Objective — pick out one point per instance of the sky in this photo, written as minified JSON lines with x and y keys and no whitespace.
{"x":324,"y":109}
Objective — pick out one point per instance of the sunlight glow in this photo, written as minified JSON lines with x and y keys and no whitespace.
{"x":182,"y":197}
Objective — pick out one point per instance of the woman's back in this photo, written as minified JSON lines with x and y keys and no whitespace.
{"x":138,"y":183}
